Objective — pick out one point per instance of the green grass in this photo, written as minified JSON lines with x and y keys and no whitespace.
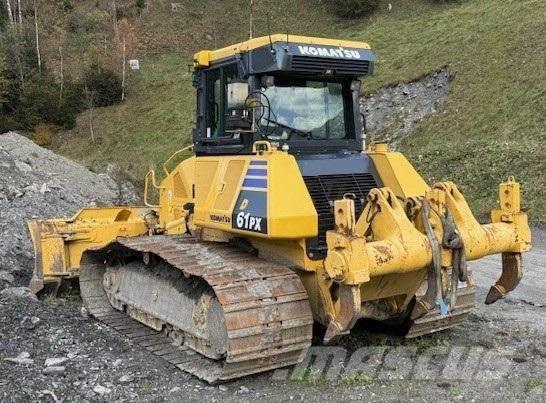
{"x":535,"y":383}
{"x":310,"y":376}
{"x":145,"y":385}
{"x":355,"y":379}
{"x":492,"y":125}
{"x":155,"y":120}
{"x":494,"y":122}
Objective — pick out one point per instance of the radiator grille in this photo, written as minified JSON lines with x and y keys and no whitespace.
{"x":324,"y":190}
{"x":341,"y":66}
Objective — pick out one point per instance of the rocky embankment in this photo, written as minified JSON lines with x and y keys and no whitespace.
{"x":392,"y":112}
{"x":36,"y":183}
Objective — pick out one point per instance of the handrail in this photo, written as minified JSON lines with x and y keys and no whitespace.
{"x":260,"y":143}
{"x":151,"y":173}
{"x":174,"y":155}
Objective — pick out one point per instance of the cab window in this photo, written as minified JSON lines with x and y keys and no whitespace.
{"x":226,"y":96}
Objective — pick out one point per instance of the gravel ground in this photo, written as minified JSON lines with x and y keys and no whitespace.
{"x":509,"y":339}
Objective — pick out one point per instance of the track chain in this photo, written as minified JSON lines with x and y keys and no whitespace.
{"x":266,"y":310}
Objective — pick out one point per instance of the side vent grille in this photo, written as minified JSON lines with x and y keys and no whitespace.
{"x":324,"y":190}
{"x":341,"y":66}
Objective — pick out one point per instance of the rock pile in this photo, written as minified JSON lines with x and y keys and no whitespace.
{"x":392,"y":111}
{"x":36,"y":183}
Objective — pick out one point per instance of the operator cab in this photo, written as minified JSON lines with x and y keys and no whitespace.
{"x":301,"y":94}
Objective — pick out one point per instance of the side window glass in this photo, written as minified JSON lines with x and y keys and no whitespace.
{"x":214,"y":102}
{"x":227,"y":115}
{"x":335,"y":111}
{"x":237,"y":115}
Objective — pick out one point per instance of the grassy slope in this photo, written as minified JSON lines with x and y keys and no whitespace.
{"x":493,"y":123}
{"x":155,"y":120}
{"x":157,"y":117}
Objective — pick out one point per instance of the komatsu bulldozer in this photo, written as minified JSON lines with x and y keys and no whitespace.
{"x":282,"y":222}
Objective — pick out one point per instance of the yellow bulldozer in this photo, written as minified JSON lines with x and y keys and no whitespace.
{"x":282,"y":223}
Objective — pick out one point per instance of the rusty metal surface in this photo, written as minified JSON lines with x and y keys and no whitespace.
{"x":512,"y":272}
{"x":434,"y":322}
{"x":265,"y":307}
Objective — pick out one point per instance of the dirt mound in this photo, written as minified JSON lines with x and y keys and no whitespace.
{"x":35,"y":182}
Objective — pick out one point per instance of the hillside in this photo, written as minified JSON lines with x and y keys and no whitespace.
{"x":158,"y":114}
{"x":494,"y":121}
{"x":492,"y":124}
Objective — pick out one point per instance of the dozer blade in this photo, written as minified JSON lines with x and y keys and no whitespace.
{"x":263,"y":320}
{"x":59,"y":243}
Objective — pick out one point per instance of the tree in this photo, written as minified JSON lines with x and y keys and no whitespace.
{"x":3,"y":80}
{"x":128,"y":46}
{"x":38,"y":56}
{"x":114,"y":15}
{"x":21,"y":54}
{"x":20,"y":13}
{"x":10,"y":13}
{"x":124,"y":69}
{"x":61,"y":34}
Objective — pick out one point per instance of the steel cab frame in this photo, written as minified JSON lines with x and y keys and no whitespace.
{"x":282,"y":61}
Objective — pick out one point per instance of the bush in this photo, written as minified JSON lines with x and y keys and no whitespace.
{"x":43,"y":134}
{"x":104,"y":84}
{"x":8,"y":123}
{"x":67,"y":5}
{"x":35,"y":102}
{"x":353,"y":8}
{"x":4,"y":20}
{"x":80,"y":22}
{"x":41,"y":101}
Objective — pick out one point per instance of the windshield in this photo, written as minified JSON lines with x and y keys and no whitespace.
{"x":311,"y":109}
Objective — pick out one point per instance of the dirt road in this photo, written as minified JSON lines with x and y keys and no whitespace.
{"x":499,"y":354}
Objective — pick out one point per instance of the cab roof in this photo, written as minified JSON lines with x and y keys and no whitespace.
{"x":205,"y":57}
